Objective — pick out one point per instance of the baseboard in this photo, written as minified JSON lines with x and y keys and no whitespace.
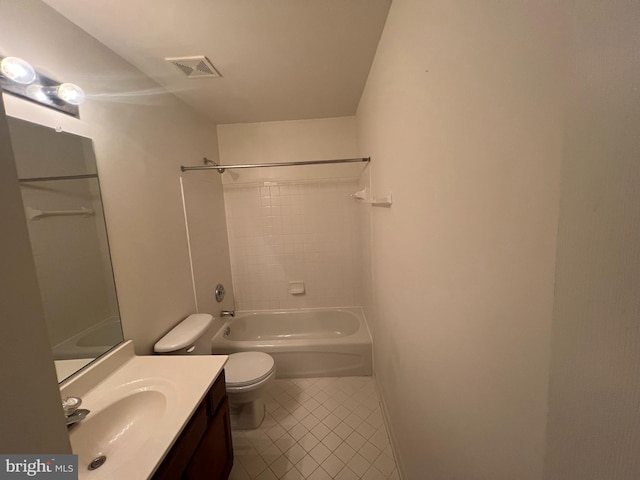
{"x":392,"y":437}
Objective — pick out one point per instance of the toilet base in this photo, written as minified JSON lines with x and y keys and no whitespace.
{"x":246,"y":416}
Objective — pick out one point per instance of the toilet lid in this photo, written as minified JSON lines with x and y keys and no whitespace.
{"x":246,"y":368}
{"x":184,"y":334}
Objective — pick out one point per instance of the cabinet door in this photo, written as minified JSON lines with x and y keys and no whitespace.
{"x":181,"y":453}
{"x":214,"y":457}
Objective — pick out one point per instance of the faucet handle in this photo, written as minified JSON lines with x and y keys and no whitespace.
{"x":70,"y":405}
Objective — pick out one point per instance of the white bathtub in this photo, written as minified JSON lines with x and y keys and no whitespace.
{"x":92,"y":342}
{"x":303,"y":343}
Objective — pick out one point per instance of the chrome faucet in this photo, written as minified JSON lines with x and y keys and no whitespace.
{"x":227,"y":313}
{"x":72,"y":412}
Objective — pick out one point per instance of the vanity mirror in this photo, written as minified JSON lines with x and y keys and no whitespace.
{"x":63,"y":207}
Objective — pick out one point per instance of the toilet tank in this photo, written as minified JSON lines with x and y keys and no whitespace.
{"x":192,"y":336}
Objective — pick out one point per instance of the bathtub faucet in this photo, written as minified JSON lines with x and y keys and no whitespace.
{"x":227,"y":313}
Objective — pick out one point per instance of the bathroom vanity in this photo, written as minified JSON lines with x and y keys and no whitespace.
{"x":160,"y":417}
{"x":204,"y":450}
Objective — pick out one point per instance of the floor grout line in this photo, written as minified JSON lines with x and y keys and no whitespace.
{"x":318,"y":429}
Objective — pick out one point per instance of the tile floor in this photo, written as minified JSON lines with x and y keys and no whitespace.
{"x":317,"y":429}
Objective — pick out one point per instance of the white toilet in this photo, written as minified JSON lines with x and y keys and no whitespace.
{"x":246,"y":373}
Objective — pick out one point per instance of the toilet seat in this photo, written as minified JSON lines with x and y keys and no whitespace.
{"x":248,"y":369}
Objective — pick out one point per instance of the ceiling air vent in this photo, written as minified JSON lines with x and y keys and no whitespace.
{"x":195,"y":67}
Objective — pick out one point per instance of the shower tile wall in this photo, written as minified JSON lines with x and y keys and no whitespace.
{"x":284,"y":232}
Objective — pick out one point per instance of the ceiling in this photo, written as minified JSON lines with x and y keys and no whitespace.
{"x":279,"y":59}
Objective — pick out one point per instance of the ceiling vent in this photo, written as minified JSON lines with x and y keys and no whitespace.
{"x":195,"y":67}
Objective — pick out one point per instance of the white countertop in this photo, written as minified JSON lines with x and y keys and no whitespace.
{"x":174,"y":385}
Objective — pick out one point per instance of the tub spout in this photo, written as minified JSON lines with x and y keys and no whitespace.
{"x":227,"y":313}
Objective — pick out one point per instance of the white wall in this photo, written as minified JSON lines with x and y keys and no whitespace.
{"x":594,"y":421}
{"x":293,"y":223}
{"x":462,"y":116}
{"x":141,"y":136}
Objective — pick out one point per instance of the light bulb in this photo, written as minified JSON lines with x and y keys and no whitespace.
{"x":18,"y":70}
{"x":70,"y":93}
{"x":37,"y":92}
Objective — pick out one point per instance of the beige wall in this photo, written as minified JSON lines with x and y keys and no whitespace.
{"x":209,"y":246}
{"x":462,"y":118}
{"x":30,"y":411}
{"x":141,"y":136}
{"x":594,"y":421}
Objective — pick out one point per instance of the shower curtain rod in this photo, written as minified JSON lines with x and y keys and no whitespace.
{"x":61,"y":177}
{"x":211,"y":165}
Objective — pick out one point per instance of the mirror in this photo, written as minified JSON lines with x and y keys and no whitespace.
{"x":61,"y":197}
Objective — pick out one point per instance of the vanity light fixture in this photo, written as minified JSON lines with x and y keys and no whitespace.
{"x":17,"y":70}
{"x":37,"y":92}
{"x":19,"y":78}
{"x":70,"y":93}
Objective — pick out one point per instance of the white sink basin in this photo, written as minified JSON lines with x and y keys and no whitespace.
{"x":120,"y":425}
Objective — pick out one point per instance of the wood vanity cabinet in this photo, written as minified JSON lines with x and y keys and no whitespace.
{"x":203,"y":451}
